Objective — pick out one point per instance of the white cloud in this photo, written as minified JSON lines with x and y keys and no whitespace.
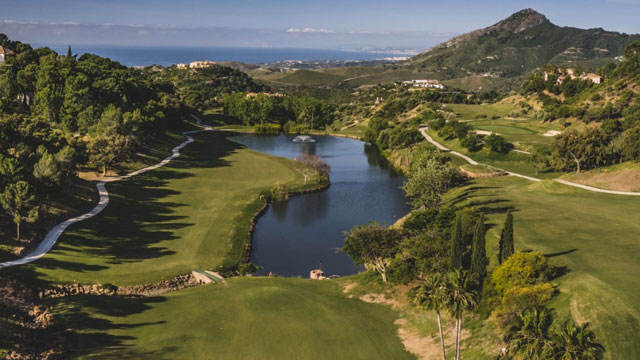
{"x":308,"y":30}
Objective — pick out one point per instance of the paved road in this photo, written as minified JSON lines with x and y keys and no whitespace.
{"x":53,"y":234}
{"x":423,"y":131}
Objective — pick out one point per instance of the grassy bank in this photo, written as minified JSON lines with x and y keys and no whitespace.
{"x":247,"y":318}
{"x":193,"y":212}
{"x":593,"y":235}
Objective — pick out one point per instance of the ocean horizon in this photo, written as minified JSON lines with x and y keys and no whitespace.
{"x":169,"y":55}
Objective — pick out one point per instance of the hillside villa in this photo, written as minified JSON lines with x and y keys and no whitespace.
{"x":594,"y":78}
{"x":201,"y":64}
{"x":5,"y":53}
{"x":435,"y":84}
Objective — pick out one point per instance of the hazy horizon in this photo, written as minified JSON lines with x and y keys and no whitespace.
{"x":332,"y":24}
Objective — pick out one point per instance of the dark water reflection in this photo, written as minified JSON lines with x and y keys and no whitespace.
{"x":295,"y":236}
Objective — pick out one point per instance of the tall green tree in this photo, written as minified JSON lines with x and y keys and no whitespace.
{"x":478,"y":251}
{"x":431,"y":295}
{"x":506,"y":239}
{"x":576,"y":149}
{"x":429,"y":179}
{"x":455,"y":250}
{"x":18,"y":201}
{"x":372,"y":245}
{"x":48,"y":97}
{"x":461,"y":298}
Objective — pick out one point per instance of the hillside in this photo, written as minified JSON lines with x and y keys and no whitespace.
{"x":519,"y":44}
{"x":491,"y":58}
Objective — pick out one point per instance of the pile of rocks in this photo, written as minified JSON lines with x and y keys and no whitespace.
{"x":162,"y":287}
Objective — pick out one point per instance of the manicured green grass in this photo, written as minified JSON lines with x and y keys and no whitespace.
{"x":246,"y":318}
{"x":526,"y":133}
{"x":168,"y":221}
{"x":593,"y":235}
{"x":512,"y":161}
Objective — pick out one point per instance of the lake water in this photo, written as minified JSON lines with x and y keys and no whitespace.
{"x":298,"y":235}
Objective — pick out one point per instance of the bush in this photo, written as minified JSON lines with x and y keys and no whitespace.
{"x":437,"y":124}
{"x":497,"y":144}
{"x":247,"y":268}
{"x":447,"y":132}
{"x":279,"y":192}
{"x":520,"y":269}
{"x":430,"y":218}
{"x":472,"y":143}
{"x":267,"y":129}
{"x":401,"y":271}
{"x":519,"y":298}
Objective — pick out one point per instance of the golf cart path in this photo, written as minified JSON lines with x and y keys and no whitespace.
{"x":55,"y":232}
{"x":423,"y":131}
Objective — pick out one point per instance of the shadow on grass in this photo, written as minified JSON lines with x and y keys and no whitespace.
{"x":139,"y":217}
{"x":560,"y":253}
{"x":94,"y":319}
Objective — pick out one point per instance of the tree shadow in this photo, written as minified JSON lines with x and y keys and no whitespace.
{"x":94,"y":319}
{"x":560,"y":253}
{"x":139,"y":220}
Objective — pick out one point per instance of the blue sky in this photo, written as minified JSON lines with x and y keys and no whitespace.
{"x":279,"y":23}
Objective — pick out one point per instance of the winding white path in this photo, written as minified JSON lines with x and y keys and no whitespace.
{"x":423,"y":131}
{"x":53,"y":234}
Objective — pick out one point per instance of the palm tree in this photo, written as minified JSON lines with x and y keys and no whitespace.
{"x":461,"y":298}
{"x":528,"y":337}
{"x":432,"y":295}
{"x":574,"y":342}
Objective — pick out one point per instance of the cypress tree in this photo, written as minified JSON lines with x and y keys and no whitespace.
{"x":506,"y":238}
{"x":455,"y":252}
{"x":69,"y":52}
{"x":479,"y":252}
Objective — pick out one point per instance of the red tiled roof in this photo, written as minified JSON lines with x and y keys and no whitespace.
{"x":5,"y":51}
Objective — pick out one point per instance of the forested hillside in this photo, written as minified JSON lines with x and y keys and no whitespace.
{"x":65,"y":114}
{"x":519,"y":44}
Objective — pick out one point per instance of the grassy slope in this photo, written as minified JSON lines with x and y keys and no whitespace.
{"x":593,"y":235}
{"x":187,"y":214}
{"x":512,"y":161}
{"x":524,"y":133}
{"x":620,"y":177}
{"x":247,"y":318}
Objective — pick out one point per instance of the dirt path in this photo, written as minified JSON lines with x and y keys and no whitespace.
{"x":423,"y":131}
{"x":55,"y":232}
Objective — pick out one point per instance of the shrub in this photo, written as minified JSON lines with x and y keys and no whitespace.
{"x":472,"y":143}
{"x":279,"y":192}
{"x":437,"y":124}
{"x":447,"y":132}
{"x":401,"y":271}
{"x":497,"y":144}
{"x":520,"y":269}
{"x":519,"y":298}
{"x":267,"y":129}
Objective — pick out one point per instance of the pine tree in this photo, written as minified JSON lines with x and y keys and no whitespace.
{"x":479,"y":253}
{"x":455,"y":252}
{"x":69,"y":55}
{"x":506,"y":238}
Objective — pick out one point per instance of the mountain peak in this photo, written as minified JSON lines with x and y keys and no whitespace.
{"x":522,"y":20}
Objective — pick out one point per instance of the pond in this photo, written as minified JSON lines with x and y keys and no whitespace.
{"x":304,"y":233}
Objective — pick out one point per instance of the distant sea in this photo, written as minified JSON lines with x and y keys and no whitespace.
{"x":146,"y":55}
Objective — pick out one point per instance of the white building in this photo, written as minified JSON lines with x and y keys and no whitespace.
{"x":435,"y":84}
{"x":5,"y":53}
{"x":201,"y":64}
{"x":181,"y":66}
